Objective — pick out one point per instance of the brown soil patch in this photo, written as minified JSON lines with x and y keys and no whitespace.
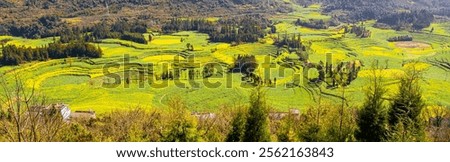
{"x":412,"y":45}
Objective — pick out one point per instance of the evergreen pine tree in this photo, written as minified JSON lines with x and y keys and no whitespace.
{"x":406,"y":108}
{"x":286,"y":132}
{"x":182,"y":126}
{"x":238,"y":127}
{"x":257,"y":126}
{"x":372,"y":118}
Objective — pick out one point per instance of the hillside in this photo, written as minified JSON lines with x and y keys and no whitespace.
{"x":85,"y":13}
{"x":155,"y":8}
{"x":357,"y":10}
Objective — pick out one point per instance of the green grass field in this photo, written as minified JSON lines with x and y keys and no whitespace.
{"x":79,"y":84}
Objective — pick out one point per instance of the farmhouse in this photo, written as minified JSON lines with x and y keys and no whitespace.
{"x":52,"y":109}
{"x":281,"y":115}
{"x":63,"y":110}
{"x":272,"y":115}
{"x":204,"y":116}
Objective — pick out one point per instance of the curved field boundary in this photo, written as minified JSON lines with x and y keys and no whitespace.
{"x":38,"y":80}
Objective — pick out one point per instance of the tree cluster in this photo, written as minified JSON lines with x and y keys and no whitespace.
{"x":245,"y":64}
{"x":75,"y":34}
{"x":121,"y":29}
{"x":237,"y":29}
{"x":360,"y":31}
{"x":45,"y":26}
{"x":415,"y":20}
{"x":396,"y":119}
{"x":200,"y":25}
{"x":292,"y":41}
{"x":343,"y":74}
{"x":51,"y":26}
{"x":315,"y":24}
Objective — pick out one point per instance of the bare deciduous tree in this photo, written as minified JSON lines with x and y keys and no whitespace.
{"x":26,"y":117}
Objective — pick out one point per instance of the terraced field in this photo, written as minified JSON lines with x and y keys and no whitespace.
{"x":79,"y":82}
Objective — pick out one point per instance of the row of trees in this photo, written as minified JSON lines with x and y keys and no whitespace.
{"x":381,"y":118}
{"x":14,"y":55}
{"x":121,"y":29}
{"x":400,"y":38}
{"x":51,"y":26}
{"x":134,"y":37}
{"x":200,"y":25}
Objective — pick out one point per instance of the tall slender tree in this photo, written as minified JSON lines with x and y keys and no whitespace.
{"x":257,"y":125}
{"x":372,"y":117}
{"x":236,"y":133}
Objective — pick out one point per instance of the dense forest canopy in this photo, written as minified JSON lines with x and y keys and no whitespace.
{"x":356,"y":9}
{"x":45,"y":26}
{"x":22,"y":19}
{"x":173,"y":5}
{"x":14,"y":55}
{"x":236,"y":29}
{"x":415,"y":20}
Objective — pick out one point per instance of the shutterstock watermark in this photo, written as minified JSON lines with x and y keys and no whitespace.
{"x":186,"y":72}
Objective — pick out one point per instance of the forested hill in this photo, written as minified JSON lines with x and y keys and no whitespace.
{"x":357,"y":10}
{"x":168,"y":6}
{"x":26,"y":11}
{"x":26,"y":15}
{"x":83,"y":4}
{"x":347,"y":10}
